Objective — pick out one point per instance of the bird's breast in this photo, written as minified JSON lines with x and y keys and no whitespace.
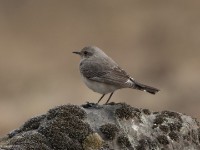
{"x":99,"y":87}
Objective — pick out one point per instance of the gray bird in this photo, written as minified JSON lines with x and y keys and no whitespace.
{"x":102,"y":74}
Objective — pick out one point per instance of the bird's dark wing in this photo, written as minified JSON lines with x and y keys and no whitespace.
{"x":106,"y":74}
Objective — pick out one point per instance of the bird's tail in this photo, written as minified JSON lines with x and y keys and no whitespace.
{"x":145,"y":88}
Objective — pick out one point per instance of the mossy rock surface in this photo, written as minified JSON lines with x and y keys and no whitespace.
{"x":106,"y":127}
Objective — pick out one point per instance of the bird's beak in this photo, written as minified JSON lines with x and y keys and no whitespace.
{"x":77,"y":53}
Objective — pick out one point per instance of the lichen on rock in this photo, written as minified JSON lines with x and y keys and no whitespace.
{"x":112,"y":126}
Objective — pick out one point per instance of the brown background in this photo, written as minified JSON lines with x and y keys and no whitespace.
{"x":157,"y":42}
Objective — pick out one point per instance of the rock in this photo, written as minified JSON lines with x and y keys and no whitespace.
{"x":106,"y":127}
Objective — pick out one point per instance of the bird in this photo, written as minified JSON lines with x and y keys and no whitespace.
{"x":102,"y":74}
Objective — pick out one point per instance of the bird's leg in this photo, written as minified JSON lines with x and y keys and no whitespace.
{"x":101,"y":98}
{"x":109,"y":98}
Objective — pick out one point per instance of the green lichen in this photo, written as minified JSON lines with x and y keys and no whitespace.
{"x":162,"y":139}
{"x":174,"y":136}
{"x":92,"y":142}
{"x":109,"y":131}
{"x":146,"y":111}
{"x":31,"y":124}
{"x":164,"y":128}
{"x":65,"y":110}
{"x":146,"y":143}
{"x":173,"y":115}
{"x":30,"y":140}
{"x":159,"y":120}
{"x":123,"y":141}
{"x":176,"y":126}
{"x":127,"y":112}
{"x":64,"y":127}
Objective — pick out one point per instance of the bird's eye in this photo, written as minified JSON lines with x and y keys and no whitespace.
{"x":85,"y":52}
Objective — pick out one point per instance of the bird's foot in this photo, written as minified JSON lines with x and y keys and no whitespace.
{"x":91,"y":105}
{"x":111,"y":103}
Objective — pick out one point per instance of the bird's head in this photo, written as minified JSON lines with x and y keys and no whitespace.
{"x":90,"y":51}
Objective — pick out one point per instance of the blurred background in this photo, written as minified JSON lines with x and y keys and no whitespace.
{"x":157,"y":42}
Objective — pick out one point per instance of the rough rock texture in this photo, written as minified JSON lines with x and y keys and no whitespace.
{"x":106,"y":127}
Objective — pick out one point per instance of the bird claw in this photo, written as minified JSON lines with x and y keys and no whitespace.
{"x":91,"y":105}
